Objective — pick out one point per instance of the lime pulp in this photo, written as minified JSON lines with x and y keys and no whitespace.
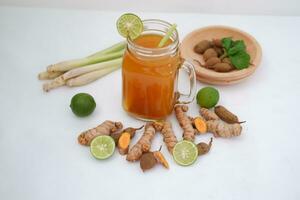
{"x":102,"y":147}
{"x":185,"y":153}
{"x":130,"y":25}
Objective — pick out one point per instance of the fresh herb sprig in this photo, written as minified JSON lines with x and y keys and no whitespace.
{"x":236,"y":51}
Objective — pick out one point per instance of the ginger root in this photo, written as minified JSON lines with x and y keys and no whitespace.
{"x":168,"y":134}
{"x":106,"y":128}
{"x":185,"y":122}
{"x":208,"y":115}
{"x":143,"y":145}
{"x":222,"y":129}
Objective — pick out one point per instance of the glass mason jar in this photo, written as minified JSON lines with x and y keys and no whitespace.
{"x":149,"y":74}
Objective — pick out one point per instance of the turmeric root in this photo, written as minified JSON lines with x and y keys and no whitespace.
{"x":208,"y":115}
{"x":168,"y":134}
{"x":222,"y":129}
{"x":130,"y":130}
{"x":185,"y":122}
{"x":160,"y":158}
{"x":143,"y":145}
{"x":124,"y":138}
{"x":123,"y":143}
{"x":106,"y":128}
{"x":193,"y":124}
{"x":200,"y":125}
{"x":116,"y":135}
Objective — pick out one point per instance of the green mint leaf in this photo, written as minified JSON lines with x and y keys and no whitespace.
{"x":237,"y":46}
{"x":235,"y":42}
{"x":226,"y":42}
{"x":240,"y":60}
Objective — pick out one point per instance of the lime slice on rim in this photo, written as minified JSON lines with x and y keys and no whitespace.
{"x":185,"y":153}
{"x":130,"y":25}
{"x":102,"y":147}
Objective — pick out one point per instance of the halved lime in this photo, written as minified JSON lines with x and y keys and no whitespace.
{"x":102,"y":147}
{"x":185,"y":153}
{"x":130,"y":25}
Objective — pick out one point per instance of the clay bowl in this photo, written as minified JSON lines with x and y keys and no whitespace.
{"x":212,"y":32}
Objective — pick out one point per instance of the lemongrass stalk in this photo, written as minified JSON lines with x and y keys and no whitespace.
{"x":57,"y":82}
{"x":167,"y":36}
{"x":90,"y":77}
{"x":115,"y":48}
{"x":48,"y":75}
{"x":72,"y":64}
{"x":89,"y":68}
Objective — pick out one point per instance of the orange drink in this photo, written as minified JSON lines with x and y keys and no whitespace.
{"x":149,"y":73}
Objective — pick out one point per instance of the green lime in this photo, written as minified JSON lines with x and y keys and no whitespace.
{"x":102,"y":147}
{"x":207,"y":97}
{"x":185,"y":153}
{"x":130,"y":25}
{"x":82,"y":104}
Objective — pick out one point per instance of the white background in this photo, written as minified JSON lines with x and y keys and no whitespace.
{"x":269,"y":7}
{"x":39,"y":154}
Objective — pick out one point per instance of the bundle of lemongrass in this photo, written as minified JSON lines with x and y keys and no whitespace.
{"x":82,"y":71}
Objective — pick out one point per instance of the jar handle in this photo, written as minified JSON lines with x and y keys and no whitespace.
{"x":188,"y":98}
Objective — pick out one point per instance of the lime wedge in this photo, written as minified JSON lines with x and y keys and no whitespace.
{"x":185,"y":153}
{"x":130,"y":25}
{"x":102,"y":147}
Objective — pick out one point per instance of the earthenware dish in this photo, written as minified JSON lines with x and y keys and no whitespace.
{"x":214,"y":32}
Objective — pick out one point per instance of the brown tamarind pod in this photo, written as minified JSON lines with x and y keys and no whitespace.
{"x":209,"y":53}
{"x":202,"y":46}
{"x":226,"y":115}
{"x":211,"y":62}
{"x":204,"y":148}
{"x":219,"y":51}
{"x":147,"y":161}
{"x":226,"y":60}
{"x":217,"y":43}
{"x":222,"y":67}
